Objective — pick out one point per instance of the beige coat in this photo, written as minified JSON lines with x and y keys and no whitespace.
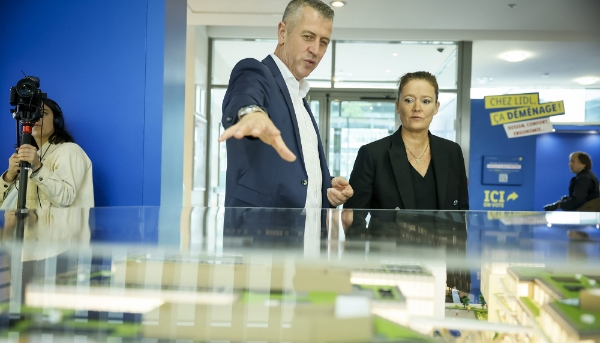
{"x":65,"y":179}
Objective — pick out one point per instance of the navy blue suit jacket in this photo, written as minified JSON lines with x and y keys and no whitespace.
{"x":256,"y":175}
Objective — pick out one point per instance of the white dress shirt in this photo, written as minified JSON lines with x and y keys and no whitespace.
{"x":308,"y":135}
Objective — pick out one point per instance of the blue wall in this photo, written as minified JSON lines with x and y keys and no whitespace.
{"x":104,"y":63}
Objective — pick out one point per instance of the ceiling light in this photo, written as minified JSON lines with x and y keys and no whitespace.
{"x":483,"y":80}
{"x":388,"y":71}
{"x":395,"y":54}
{"x":588,"y":80}
{"x":338,"y":3}
{"x":515,"y":56}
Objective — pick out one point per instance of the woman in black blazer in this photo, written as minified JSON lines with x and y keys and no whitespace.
{"x":411,"y":169}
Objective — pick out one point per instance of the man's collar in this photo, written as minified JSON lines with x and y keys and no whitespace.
{"x":304,"y":86}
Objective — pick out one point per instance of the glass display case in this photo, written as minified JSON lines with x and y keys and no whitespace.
{"x":152,"y":274}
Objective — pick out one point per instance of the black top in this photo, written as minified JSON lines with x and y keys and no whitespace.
{"x":583,"y":188}
{"x":381,"y":177}
{"x":425,"y":189}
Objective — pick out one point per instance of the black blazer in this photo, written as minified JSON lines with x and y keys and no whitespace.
{"x":381,"y":176}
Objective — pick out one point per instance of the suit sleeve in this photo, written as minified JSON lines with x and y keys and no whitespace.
{"x":247,"y":86}
{"x":463,"y":189}
{"x":580,"y":193}
{"x":361,"y":180}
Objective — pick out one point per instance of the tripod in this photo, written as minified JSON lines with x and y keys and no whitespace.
{"x":22,"y":211}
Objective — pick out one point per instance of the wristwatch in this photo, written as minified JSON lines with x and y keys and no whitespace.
{"x":249,"y":109}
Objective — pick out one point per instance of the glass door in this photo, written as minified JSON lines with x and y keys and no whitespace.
{"x":349,"y":120}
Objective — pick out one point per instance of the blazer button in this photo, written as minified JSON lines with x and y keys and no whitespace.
{"x":455,"y":202}
{"x":304,"y":182}
{"x":229,"y":119}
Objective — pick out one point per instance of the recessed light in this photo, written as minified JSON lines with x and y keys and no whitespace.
{"x":388,"y":71}
{"x":485,"y":79}
{"x":588,"y":80}
{"x":338,"y":3}
{"x":395,"y":54}
{"x":515,"y":56}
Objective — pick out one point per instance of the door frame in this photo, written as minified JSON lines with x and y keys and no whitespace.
{"x":326,"y":96}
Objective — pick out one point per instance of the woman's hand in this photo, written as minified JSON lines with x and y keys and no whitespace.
{"x":28,"y":153}
{"x":13,"y":169}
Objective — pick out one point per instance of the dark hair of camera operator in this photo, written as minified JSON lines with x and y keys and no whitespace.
{"x":60,"y":134}
{"x":61,"y":172}
{"x":583,"y":187}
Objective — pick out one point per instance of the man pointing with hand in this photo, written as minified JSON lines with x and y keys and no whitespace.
{"x":276,"y":158}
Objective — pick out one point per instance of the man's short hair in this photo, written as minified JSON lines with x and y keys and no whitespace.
{"x":294,"y":9}
{"x":584,"y":159}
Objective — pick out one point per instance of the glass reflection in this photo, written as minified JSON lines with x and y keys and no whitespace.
{"x":241,"y":274}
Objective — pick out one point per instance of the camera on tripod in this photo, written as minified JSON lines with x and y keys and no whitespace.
{"x":27,"y":97}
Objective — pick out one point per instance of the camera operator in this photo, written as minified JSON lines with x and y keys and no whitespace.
{"x":583,"y":187}
{"x":61,"y":172}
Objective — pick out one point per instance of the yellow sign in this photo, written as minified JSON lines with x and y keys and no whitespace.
{"x":527,"y":113}
{"x":512,"y":100}
{"x":495,"y":215}
{"x":496,"y":199}
{"x":512,"y":196}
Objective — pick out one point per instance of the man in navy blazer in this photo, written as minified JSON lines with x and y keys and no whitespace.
{"x":277,"y":159}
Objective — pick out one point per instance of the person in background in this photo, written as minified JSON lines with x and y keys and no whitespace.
{"x":61,"y":172}
{"x":582,"y":188}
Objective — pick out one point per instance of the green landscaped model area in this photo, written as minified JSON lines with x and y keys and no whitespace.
{"x":529,"y":272}
{"x":531,"y":305}
{"x":310,"y":297}
{"x":481,"y":315}
{"x":563,"y":287}
{"x":573,"y":315}
{"x":383,"y":292}
{"x":391,"y":330}
{"x":565,"y":284}
{"x":32,"y":321}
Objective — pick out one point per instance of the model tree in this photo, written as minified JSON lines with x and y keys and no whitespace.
{"x":465,"y":301}
{"x":482,"y":300}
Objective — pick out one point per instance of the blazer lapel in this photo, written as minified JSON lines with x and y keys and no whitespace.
{"x":401,"y":168}
{"x":270,"y":63}
{"x":441,"y":164}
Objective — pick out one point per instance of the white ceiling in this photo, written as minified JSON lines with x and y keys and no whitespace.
{"x":563,"y":36}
